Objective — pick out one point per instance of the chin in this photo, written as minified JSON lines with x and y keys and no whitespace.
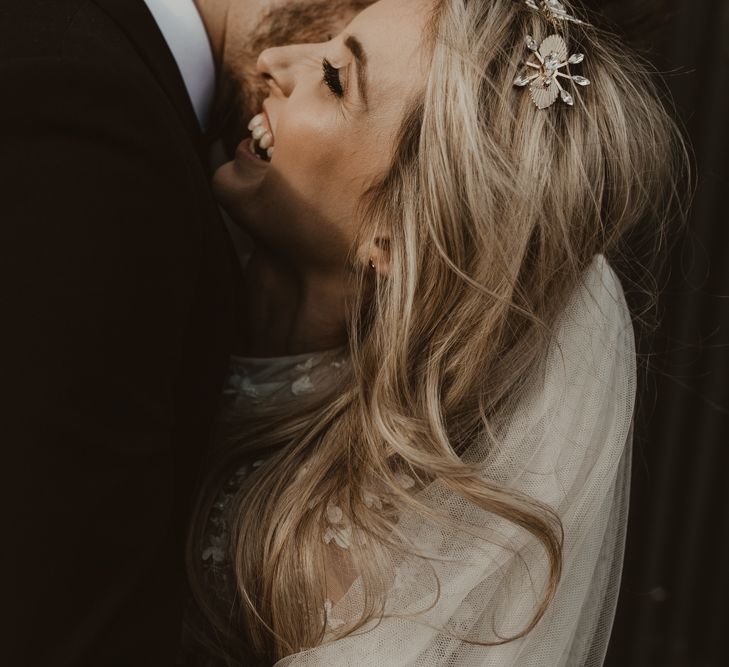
{"x":237,"y":197}
{"x":232,"y":192}
{"x":223,"y":179}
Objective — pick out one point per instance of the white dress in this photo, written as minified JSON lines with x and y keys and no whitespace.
{"x":568,"y":445}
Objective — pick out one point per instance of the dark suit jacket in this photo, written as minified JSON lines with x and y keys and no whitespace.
{"x":115,"y":298}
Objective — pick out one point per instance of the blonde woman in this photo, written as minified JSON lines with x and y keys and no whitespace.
{"x":424,"y":449}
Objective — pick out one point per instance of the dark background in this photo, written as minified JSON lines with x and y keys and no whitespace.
{"x":674,"y":602}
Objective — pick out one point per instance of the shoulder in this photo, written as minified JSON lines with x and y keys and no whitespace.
{"x":596,"y":310}
{"x":88,"y":107}
{"x":602,"y":282}
{"x":35,"y":28}
{"x":31,"y":29}
{"x":574,"y":418}
{"x":58,"y":53}
{"x":591,"y":362}
{"x":89,"y":114}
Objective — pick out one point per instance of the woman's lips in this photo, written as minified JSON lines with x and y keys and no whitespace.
{"x":245,"y":152}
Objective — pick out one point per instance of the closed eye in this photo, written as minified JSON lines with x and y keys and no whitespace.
{"x":332,"y":79}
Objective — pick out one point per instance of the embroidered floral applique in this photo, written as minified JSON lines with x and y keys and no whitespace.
{"x":371,"y":500}
{"x":240,"y":384}
{"x":405,"y":481}
{"x":260,"y":381}
{"x":339,"y":529}
{"x":302,"y":386}
{"x":257,"y":383}
{"x":306,"y":366}
{"x":215,"y":552}
{"x":404,"y":583}
{"x":332,"y":623}
{"x":404,"y":578}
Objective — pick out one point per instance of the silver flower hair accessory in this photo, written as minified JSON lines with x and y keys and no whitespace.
{"x":544,"y":78}
{"x":553,"y":10}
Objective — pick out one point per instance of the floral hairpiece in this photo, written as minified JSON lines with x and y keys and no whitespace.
{"x":542,"y":73}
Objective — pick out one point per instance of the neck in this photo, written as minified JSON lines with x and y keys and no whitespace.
{"x":214,"y":14}
{"x":287,"y":312}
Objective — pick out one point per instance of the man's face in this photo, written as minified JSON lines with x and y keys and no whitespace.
{"x":255,"y":25}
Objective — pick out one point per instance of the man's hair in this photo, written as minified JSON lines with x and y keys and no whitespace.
{"x":243,"y":89}
{"x":302,"y":22}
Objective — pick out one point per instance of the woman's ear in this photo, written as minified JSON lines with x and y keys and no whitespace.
{"x":374,"y":256}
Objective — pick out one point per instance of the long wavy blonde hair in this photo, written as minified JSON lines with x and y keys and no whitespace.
{"x":493,"y":210}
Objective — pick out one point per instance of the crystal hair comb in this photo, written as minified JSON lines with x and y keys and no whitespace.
{"x":553,"y":10}
{"x":543,"y":68}
{"x":544,"y":80}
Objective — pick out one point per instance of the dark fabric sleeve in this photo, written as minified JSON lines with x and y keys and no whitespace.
{"x":100,"y":237}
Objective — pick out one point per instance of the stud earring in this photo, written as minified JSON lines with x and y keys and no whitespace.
{"x":372,"y":265}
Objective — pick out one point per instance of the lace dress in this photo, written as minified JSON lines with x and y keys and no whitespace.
{"x":567,"y":444}
{"x":257,"y":384}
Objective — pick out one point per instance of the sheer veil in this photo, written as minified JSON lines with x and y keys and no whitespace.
{"x":567,"y":444}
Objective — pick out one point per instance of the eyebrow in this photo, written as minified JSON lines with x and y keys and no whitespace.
{"x":360,"y":57}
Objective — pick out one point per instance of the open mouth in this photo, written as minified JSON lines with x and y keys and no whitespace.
{"x":262,"y":143}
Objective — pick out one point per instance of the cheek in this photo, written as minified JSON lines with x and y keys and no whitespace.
{"x":314,"y":179}
{"x":308,"y":156}
{"x":326,"y":163}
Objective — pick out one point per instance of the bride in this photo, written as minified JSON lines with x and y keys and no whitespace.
{"x":424,"y":448}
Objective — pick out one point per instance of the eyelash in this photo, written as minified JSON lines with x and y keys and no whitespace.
{"x":332,"y":79}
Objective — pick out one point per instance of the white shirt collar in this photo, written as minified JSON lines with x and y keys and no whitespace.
{"x":183,"y":30}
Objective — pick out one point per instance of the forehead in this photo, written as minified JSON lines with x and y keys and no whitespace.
{"x":394,"y":36}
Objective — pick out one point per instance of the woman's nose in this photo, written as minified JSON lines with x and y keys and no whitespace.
{"x":276,"y":66}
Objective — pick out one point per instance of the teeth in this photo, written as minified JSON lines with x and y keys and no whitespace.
{"x":262,"y":138}
{"x":257,"y":149}
{"x":256,"y":121}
